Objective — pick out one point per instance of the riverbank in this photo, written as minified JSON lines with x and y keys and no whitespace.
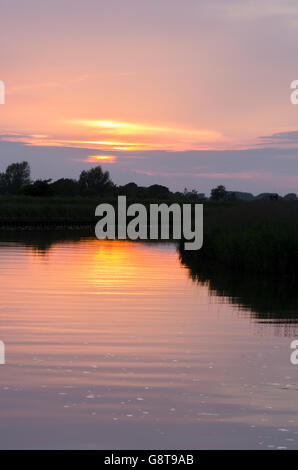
{"x":24,"y":212}
{"x":252,"y":237}
{"x":257,"y":237}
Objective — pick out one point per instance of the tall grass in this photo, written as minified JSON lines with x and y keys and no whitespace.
{"x":254,"y":237}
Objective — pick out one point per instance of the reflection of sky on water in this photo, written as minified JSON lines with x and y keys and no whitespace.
{"x":111,"y":345}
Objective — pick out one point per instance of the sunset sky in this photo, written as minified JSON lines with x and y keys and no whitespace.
{"x":190,"y":93}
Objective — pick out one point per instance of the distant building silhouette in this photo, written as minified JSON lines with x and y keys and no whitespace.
{"x":239,"y":195}
{"x":290,"y":197}
{"x":268,"y":196}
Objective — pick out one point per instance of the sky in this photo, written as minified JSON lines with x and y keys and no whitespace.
{"x":191,"y":93}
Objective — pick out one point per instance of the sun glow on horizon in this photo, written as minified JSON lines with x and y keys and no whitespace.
{"x":109,"y":124}
{"x":107,"y":158}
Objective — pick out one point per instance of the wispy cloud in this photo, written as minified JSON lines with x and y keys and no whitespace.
{"x":280,"y":138}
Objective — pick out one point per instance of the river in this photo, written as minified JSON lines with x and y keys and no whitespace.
{"x":114,"y":345}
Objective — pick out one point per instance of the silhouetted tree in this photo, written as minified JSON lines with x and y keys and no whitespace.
{"x":178,"y":195}
{"x":157,"y":191}
{"x":191,"y":195}
{"x":15,"y":177}
{"x":66,"y":187}
{"x":40,"y":188}
{"x":219,"y":193}
{"x":95,"y":182}
{"x":129,"y":189}
{"x":3,"y":185}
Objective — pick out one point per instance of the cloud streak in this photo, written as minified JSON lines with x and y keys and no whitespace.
{"x":253,"y":170}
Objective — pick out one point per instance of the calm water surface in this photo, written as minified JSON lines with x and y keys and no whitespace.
{"x":111,"y":345}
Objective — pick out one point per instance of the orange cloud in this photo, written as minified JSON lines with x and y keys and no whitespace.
{"x":145,"y":136}
{"x":123,"y":136}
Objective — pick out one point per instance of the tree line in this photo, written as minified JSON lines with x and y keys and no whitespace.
{"x":16,"y":180}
